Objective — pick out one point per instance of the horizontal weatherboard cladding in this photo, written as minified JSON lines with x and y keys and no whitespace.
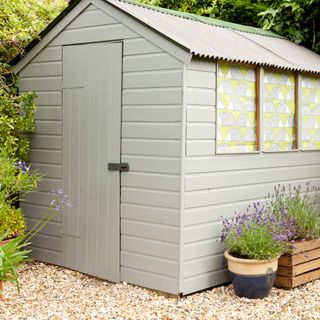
{"x":219,"y":185}
{"x":151,"y":144}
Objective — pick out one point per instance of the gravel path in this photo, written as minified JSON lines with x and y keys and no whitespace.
{"x":55,"y":293}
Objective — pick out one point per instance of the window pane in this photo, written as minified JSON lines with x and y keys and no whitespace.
{"x":310,"y":113}
{"x":236,"y":108}
{"x":278,"y":111}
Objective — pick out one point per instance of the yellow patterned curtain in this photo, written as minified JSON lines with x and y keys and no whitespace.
{"x":278,"y":111}
{"x":236,"y":108}
{"x":310,"y":112}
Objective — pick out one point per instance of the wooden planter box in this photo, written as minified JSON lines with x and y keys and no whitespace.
{"x":301,"y":267}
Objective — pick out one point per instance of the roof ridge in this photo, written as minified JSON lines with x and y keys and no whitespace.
{"x":207,"y":20}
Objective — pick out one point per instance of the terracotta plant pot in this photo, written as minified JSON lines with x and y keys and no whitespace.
{"x":302,"y":266}
{"x":2,"y":243}
{"x":251,"y":278}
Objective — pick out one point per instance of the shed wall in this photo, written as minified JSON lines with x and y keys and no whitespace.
{"x":151,"y":144}
{"x":218,"y":185}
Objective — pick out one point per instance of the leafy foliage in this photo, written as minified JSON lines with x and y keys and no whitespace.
{"x":12,"y":256}
{"x":257,"y":233}
{"x":14,"y":253}
{"x":16,"y":179}
{"x":303,"y":207}
{"x":16,"y":123}
{"x":12,"y":221}
{"x":22,"y":20}
{"x":297,"y":20}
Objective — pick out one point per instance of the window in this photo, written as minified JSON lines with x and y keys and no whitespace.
{"x":236,"y":108}
{"x":268,"y":110}
{"x":310,"y":94}
{"x":278,"y":111}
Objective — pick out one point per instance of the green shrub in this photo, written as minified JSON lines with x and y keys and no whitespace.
{"x":257,"y":233}
{"x":16,"y":123}
{"x":16,"y":179}
{"x":12,"y":221}
{"x":301,"y":206}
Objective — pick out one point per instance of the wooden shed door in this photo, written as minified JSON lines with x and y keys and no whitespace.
{"x":91,"y":139}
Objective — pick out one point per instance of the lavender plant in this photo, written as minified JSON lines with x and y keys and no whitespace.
{"x":15,"y":253}
{"x":257,"y":233}
{"x":16,"y":179}
{"x":302,"y":206}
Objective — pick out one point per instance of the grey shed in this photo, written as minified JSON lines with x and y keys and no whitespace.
{"x":124,"y":83}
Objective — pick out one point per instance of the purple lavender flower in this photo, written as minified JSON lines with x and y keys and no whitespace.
{"x":60,"y":200}
{"x":257,"y":233}
{"x":22,"y":165}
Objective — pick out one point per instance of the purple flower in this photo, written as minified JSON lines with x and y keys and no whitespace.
{"x":60,"y":200}
{"x":22,"y":165}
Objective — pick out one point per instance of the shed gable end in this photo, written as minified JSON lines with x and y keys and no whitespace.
{"x":152,"y":101}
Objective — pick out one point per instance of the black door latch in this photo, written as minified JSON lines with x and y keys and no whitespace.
{"x":118,"y":166}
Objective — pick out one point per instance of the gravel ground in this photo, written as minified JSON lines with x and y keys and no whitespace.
{"x":55,"y":293}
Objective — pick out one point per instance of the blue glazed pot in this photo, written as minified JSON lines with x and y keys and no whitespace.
{"x":252,"y":279}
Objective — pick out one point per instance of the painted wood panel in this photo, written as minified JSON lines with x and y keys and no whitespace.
{"x":218,"y":186}
{"x":198,"y":79}
{"x":92,"y":131}
{"x":239,"y":193}
{"x":93,"y":34}
{"x":49,"y":54}
{"x":49,"y":170}
{"x":42,"y":69}
{"x":46,"y":142}
{"x":149,"y":247}
{"x":49,"y":127}
{"x":150,"y":280}
{"x":46,"y":156}
{"x":200,"y":96}
{"x":150,"y":263}
{"x":36,"y":212}
{"x":139,"y":45}
{"x":201,"y":114}
{"x":152,"y":83}
{"x":91,"y":18}
{"x":200,"y":131}
{"x":205,"y":280}
{"x":49,"y":184}
{"x":200,"y":148}
{"x":153,"y":79}
{"x":151,"y":147}
{"x":152,"y":96}
{"x":152,"y":114}
{"x":49,"y":98}
{"x":151,"y":130}
{"x":48,"y":113}
{"x":203,"y":248}
{"x":202,"y":265}
{"x":248,"y":177}
{"x":150,"y":61}
{"x":250,"y":161}
{"x":150,"y":197}
{"x":153,"y":231}
{"x":159,"y":164}
{"x":46,"y":255}
{"x":47,"y":242}
{"x":151,"y":181}
{"x":153,"y":214}
{"x":41,"y":83}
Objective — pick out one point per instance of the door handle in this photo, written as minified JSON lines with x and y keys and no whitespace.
{"x":118,"y":166}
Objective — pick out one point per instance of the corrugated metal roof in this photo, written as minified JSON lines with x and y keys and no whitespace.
{"x":211,"y":38}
